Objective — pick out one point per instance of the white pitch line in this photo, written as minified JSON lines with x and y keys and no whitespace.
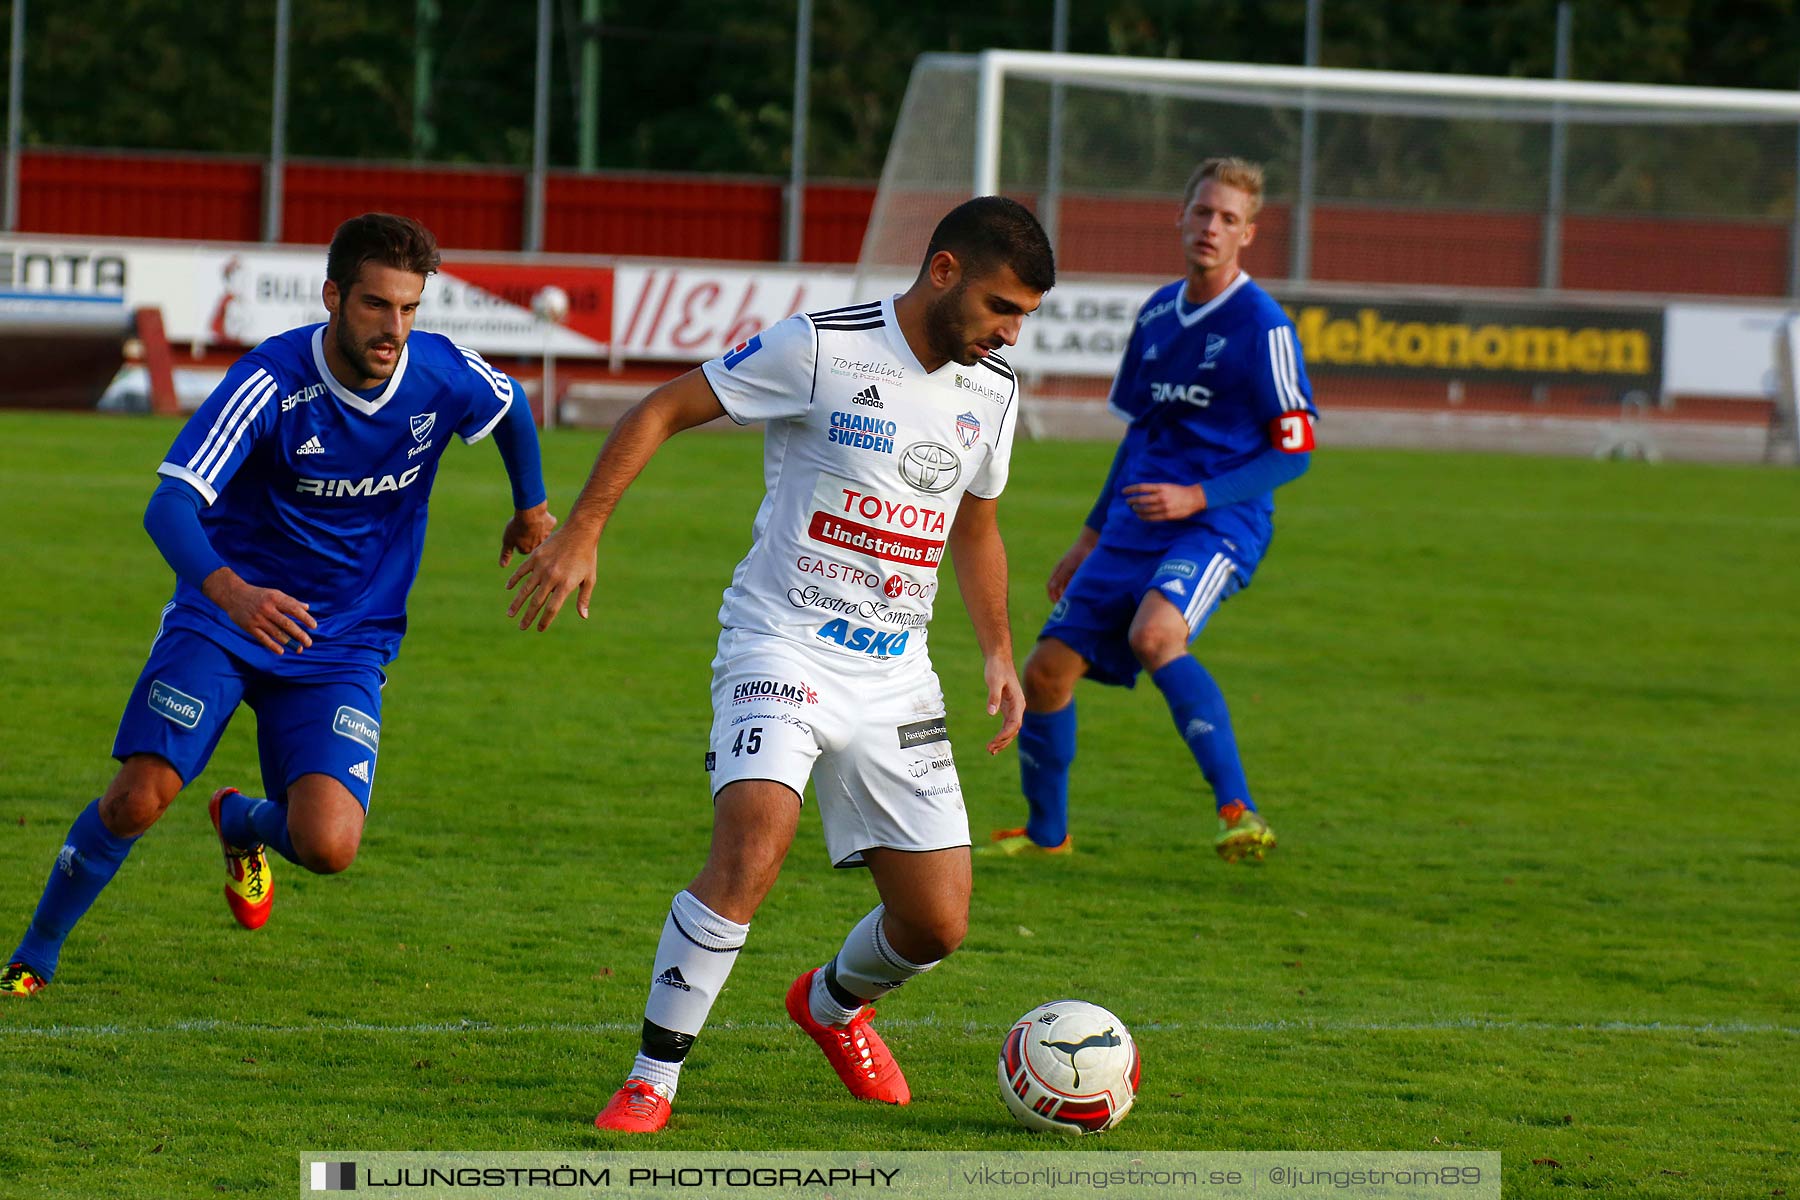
{"x":1460,"y":1024}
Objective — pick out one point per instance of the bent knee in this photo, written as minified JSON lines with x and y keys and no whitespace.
{"x":1155,"y":645}
{"x":926,"y":944}
{"x":1048,"y":683}
{"x":128,"y":810}
{"x":325,"y":854}
{"x":950,"y":939}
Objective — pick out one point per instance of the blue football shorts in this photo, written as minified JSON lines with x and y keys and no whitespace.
{"x":1195,"y":574}
{"x":191,"y":686}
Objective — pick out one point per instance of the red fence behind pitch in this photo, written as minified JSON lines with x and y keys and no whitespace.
{"x":203,"y":198}
{"x":211,"y":198}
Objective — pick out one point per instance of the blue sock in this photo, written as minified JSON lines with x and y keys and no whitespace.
{"x":1204,"y":723}
{"x":1046,"y":748}
{"x":90,"y":857}
{"x":247,"y":821}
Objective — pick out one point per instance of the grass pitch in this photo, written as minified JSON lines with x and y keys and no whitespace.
{"x":1526,"y":729}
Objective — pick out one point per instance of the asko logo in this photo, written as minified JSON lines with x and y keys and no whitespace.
{"x":367,"y":486}
{"x":898,"y":531}
{"x":876,"y":643}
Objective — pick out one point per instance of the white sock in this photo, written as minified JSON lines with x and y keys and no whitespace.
{"x":866,"y":968}
{"x":665,"y":1075}
{"x":693,"y":960}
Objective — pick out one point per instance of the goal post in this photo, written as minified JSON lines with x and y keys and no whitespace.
{"x":1783,"y":444}
{"x":1547,"y":212}
{"x":980,"y":124}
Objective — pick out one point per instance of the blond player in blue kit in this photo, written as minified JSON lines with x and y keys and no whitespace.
{"x":1219,"y":414}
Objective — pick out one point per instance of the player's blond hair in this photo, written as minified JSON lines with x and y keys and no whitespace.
{"x":1239,"y":173}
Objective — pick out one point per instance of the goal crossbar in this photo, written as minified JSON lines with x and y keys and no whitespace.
{"x":992,"y":68}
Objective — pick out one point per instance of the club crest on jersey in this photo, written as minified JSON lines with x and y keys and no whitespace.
{"x":1214,"y":344}
{"x":968,"y":430}
{"x":421,"y":425}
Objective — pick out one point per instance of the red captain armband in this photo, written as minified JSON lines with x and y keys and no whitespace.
{"x":1292,"y":433}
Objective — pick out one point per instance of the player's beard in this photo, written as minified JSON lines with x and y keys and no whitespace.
{"x":356,"y":354}
{"x":944,"y":331}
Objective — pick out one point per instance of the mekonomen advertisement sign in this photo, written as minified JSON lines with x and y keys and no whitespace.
{"x":1554,"y":344}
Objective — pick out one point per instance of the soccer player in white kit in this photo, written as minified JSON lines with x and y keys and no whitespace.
{"x":890,"y":427}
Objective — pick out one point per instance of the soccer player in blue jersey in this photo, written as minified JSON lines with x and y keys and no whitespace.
{"x":292,"y":508}
{"x":1220,"y":414}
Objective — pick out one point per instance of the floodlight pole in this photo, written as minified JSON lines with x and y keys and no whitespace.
{"x":540,"y":135}
{"x":589,"y":126}
{"x":1049,"y":211}
{"x":424,"y":133}
{"x":1300,"y":237}
{"x":987,"y":124}
{"x":276,"y":171}
{"x":1550,"y":272}
{"x":794,"y":230}
{"x":1793,"y":278}
{"x":15,"y":113}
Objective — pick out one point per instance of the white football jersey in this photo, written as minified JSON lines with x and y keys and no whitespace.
{"x":865,"y":460}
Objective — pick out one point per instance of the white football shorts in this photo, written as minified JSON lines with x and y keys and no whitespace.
{"x":872,"y":739}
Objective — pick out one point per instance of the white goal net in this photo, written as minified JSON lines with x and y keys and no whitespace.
{"x":1512,"y":253}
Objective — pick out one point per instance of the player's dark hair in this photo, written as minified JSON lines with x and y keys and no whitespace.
{"x":398,"y":242}
{"x":990,"y":232}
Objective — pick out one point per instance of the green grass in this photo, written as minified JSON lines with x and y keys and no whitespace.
{"x":1527,"y":729}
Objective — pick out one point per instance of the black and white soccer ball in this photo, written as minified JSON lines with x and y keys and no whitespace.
{"x":1069,"y":1067}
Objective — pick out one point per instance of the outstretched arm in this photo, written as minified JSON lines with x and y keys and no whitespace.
{"x":980,"y":556}
{"x":516,"y":439}
{"x":564,"y":565}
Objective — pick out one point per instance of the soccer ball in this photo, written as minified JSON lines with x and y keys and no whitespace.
{"x":551,"y":304}
{"x":1069,"y":1066}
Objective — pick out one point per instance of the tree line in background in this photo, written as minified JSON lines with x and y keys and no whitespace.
{"x":704,"y":85}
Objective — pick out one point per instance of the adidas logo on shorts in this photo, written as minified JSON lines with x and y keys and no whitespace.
{"x":673,"y":978}
{"x":361,"y":771}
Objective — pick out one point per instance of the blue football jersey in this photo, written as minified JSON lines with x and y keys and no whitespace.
{"x":320,"y":491}
{"x":1205,"y":389}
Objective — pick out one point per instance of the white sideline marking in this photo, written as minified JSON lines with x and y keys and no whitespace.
{"x":1728,"y":1028}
